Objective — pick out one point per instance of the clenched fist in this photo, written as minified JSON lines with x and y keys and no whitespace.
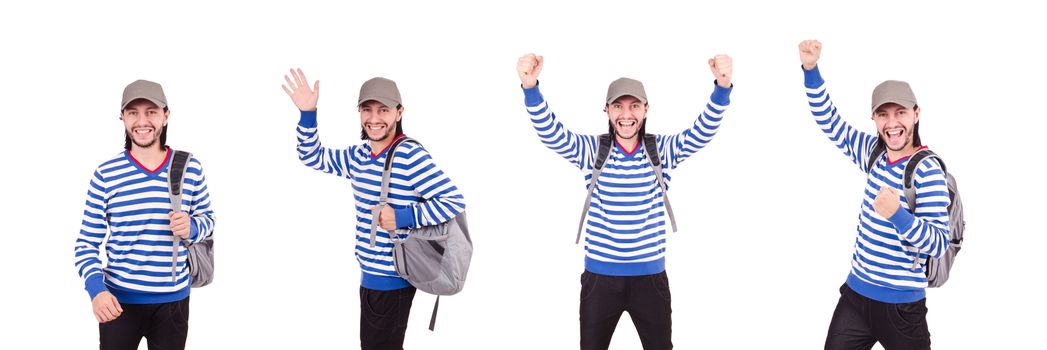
{"x":106,"y":307}
{"x":721,"y":66}
{"x":528,"y":68}
{"x":179,"y":224}
{"x":386,"y":217}
{"x":810,"y":51}
{"x":887,"y":202}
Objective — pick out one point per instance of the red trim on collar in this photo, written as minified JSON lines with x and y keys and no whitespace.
{"x":158,"y":167}
{"x":375,"y":155}
{"x":893,"y":162}
{"x":635,"y":147}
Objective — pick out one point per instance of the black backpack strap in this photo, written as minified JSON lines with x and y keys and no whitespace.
{"x":603,"y":151}
{"x":384,"y":196}
{"x":650,"y":144}
{"x":910,"y":172}
{"x":175,"y":176}
{"x":878,"y":150}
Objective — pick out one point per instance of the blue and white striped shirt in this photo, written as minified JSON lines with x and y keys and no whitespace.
{"x":419,"y":192}
{"x":625,"y":225}
{"x":883,"y":250}
{"x":132,"y":204}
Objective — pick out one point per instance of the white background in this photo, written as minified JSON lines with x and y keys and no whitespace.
{"x":766,"y":212}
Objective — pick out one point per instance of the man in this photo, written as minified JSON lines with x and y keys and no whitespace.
{"x":134,"y":294}
{"x":419,"y":195}
{"x":883,"y":299}
{"x":625,"y":239}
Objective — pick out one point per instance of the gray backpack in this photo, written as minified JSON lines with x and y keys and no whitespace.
{"x":435,"y":259}
{"x":603,"y":151}
{"x":937,"y":270}
{"x":201,"y":254}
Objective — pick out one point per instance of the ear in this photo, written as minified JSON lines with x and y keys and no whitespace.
{"x":167,"y":114}
{"x":399,"y":113}
{"x":916,"y":114}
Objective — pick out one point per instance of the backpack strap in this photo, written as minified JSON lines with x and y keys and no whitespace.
{"x":878,"y":150}
{"x":909,"y":191}
{"x":175,"y":175}
{"x":432,"y":320}
{"x":910,"y":171}
{"x":650,"y":144}
{"x":384,"y":196}
{"x":603,"y":151}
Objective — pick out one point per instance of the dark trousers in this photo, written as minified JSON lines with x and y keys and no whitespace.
{"x":164,"y":326}
{"x":860,"y":322}
{"x":646,"y":298}
{"x":383,"y":317}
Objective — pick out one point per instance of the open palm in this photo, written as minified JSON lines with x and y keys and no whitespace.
{"x":298,"y":89}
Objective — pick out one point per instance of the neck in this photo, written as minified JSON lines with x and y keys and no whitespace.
{"x":379,"y":146}
{"x":904,"y":152}
{"x":629,"y":143}
{"x":150,"y":157}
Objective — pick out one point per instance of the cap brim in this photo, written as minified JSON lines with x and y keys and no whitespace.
{"x":385,"y":101}
{"x":618,"y":96}
{"x":906,"y":104}
{"x":156,"y":102}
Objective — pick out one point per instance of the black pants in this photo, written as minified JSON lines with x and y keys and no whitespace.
{"x":164,"y":326}
{"x":646,"y":298}
{"x":860,"y":322}
{"x":383,"y":317}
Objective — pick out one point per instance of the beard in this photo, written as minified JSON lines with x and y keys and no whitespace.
{"x":389,"y":132}
{"x":906,"y":133}
{"x":153,"y":141}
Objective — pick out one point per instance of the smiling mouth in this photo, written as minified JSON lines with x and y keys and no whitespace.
{"x":626,"y":123}
{"x":375,"y":127}
{"x":143,"y":131}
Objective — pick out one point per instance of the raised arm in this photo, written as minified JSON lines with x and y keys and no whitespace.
{"x":577,"y":149}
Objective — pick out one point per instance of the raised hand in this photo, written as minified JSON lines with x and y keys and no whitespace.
{"x":810,"y":51}
{"x":528,"y":67}
{"x":303,"y":97}
{"x":722,"y":68}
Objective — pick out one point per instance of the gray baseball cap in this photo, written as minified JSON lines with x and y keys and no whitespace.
{"x":382,"y":90}
{"x":144,"y":89}
{"x":626,"y":87}
{"x":893,"y":91}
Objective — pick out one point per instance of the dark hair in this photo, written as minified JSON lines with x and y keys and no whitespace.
{"x":399,"y":127}
{"x":163,"y":136}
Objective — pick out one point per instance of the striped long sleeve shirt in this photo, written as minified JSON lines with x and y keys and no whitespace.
{"x":885,"y":248}
{"x":132,"y":204}
{"x":625,"y":225}
{"x":419,"y":192}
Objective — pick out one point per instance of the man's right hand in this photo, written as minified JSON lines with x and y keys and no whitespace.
{"x":303,"y":97}
{"x":528,"y":67}
{"x":106,"y":307}
{"x":810,"y":50}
